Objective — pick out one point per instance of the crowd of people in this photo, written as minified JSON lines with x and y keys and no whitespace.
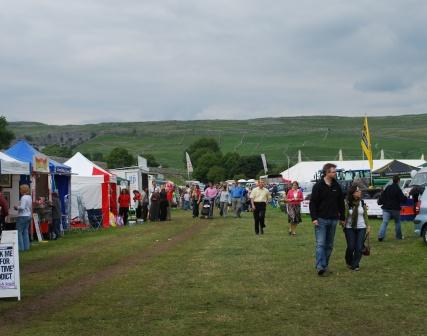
{"x":328,"y":207}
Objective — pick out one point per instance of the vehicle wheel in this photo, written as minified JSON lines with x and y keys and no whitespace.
{"x":424,"y":234}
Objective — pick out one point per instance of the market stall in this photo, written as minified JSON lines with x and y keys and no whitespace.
{"x":94,"y":189}
{"x":11,"y":172}
{"x":47,"y":176}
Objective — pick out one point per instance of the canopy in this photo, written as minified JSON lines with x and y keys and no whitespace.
{"x":9,"y":165}
{"x":304,"y":171}
{"x":394,"y":168}
{"x":23,"y":151}
{"x":82,"y":166}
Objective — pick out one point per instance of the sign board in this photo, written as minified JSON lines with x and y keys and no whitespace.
{"x":40,"y":164}
{"x":142,"y":163}
{"x":132,"y":177}
{"x":37,"y":226}
{"x":10,"y":285}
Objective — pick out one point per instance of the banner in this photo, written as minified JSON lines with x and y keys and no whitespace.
{"x":264,"y":163}
{"x":10,"y":285}
{"x":189,"y":165}
{"x":40,"y":164}
{"x":366,"y":143}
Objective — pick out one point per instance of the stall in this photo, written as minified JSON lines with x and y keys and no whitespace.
{"x":47,"y":176}
{"x":11,"y":172}
{"x":93,"y":188}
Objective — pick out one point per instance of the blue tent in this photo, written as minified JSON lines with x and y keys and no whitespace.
{"x":23,"y":151}
{"x":60,"y":173}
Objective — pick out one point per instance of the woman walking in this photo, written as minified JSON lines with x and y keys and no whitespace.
{"x":294,"y":198}
{"x":196,"y":198}
{"x":124,"y":203}
{"x":355,"y":228}
{"x":24,"y":217}
{"x":224,"y":198}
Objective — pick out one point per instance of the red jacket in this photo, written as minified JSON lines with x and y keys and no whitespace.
{"x":124,"y":200}
{"x":292,"y":200}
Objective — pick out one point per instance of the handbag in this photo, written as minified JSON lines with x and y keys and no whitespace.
{"x":366,"y":249}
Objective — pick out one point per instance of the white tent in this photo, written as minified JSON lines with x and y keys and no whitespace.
{"x":304,"y":171}
{"x":9,"y":165}
{"x":92,"y":187}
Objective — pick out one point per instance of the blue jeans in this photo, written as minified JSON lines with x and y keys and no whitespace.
{"x":387,"y":215}
{"x":355,"y":239}
{"x":23,"y":225}
{"x":325,"y":234}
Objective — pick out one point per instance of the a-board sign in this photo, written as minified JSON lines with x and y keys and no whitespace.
{"x":37,"y":226}
{"x":10,"y":285}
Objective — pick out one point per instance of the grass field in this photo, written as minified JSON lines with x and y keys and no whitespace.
{"x":198,"y":277}
{"x":319,"y":138}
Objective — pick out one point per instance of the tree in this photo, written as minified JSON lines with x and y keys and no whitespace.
{"x":120,"y":157}
{"x":216,"y":174}
{"x":97,"y":156}
{"x":231,"y":162}
{"x":205,"y":162}
{"x":200,"y":147}
{"x":250,"y":165}
{"x":6,"y":135}
{"x":151,"y":160}
{"x":57,"y":150}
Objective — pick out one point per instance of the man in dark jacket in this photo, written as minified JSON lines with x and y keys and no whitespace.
{"x":326,"y":208}
{"x":391,"y":199}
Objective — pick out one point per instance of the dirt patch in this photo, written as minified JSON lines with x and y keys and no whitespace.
{"x":72,"y":290}
{"x":52,"y":263}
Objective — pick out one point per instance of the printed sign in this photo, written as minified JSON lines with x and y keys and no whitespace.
{"x":10,"y":285}
{"x":37,"y":226}
{"x":7,"y":267}
{"x":40,"y":164}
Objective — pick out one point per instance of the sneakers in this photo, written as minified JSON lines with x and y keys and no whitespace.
{"x":356,"y":269}
{"x":380,"y":239}
{"x":321,"y":271}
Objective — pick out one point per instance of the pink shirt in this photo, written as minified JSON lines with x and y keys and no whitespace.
{"x":210,"y":193}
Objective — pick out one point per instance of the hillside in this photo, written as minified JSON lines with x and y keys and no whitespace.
{"x":318,"y":137}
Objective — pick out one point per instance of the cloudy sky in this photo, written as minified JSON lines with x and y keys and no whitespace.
{"x":86,"y":61}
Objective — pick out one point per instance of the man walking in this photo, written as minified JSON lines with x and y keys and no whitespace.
{"x":236,"y":197}
{"x":259,"y":199}
{"x":390,"y":199}
{"x":326,"y":208}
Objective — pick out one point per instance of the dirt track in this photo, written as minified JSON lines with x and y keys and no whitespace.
{"x":72,"y":290}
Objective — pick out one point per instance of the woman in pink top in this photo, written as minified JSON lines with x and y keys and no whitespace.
{"x":294,"y":198}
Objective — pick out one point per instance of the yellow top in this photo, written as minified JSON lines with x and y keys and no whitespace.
{"x":260,"y":195}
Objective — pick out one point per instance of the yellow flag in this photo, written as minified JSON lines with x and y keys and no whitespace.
{"x":366,"y":143}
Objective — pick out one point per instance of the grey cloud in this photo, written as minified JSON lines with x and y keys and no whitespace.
{"x":79,"y":61}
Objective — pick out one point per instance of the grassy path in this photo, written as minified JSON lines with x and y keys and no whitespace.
{"x":218,"y":278}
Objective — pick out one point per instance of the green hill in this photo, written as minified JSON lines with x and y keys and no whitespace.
{"x":318,"y":137}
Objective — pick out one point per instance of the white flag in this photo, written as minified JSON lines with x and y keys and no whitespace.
{"x":189,"y":165}
{"x":264,"y":163}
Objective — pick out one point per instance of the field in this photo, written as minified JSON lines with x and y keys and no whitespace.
{"x":319,"y":138}
{"x":199,"y":277}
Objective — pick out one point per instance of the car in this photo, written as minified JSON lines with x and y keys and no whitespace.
{"x":420,"y":220}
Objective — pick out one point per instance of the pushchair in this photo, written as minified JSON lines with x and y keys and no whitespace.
{"x":206,"y":208}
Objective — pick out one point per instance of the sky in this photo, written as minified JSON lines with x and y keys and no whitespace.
{"x":82,"y":61}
